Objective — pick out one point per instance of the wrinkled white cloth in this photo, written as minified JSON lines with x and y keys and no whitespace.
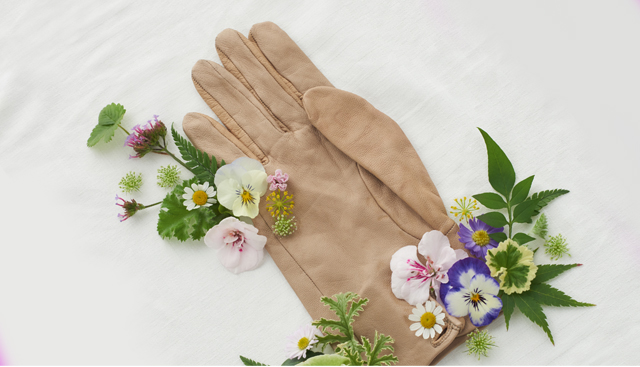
{"x":554,"y":84}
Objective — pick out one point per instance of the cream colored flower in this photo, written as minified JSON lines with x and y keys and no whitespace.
{"x":430,"y":320}
{"x":240,"y":185}
{"x":199,"y":195}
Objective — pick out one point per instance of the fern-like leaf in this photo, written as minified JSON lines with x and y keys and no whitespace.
{"x":380,"y":344}
{"x":541,"y":228}
{"x":203,"y":166}
{"x":250,"y":362}
{"x":545,"y":197}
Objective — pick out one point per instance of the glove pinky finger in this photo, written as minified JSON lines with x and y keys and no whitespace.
{"x":213,"y":138}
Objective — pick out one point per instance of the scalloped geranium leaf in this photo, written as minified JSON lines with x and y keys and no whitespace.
{"x":325,"y":360}
{"x":502,"y":177}
{"x":175,"y":221}
{"x":547,"y":295}
{"x":533,"y":311}
{"x":494,"y":219}
{"x":108,"y":121}
{"x":521,"y":191}
{"x":524,"y":211}
{"x":491,"y":200}
{"x":513,"y":265}
{"x":547,"y":272}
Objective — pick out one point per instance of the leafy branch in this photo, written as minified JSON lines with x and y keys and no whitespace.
{"x":198,"y":162}
{"x":109,"y":120}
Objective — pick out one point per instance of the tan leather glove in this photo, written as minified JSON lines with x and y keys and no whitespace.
{"x":361,"y":191}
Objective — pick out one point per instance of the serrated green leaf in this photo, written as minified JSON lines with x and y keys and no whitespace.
{"x":491,"y":200}
{"x":352,"y":353}
{"x":325,"y":360}
{"x":541,"y":228}
{"x":545,"y":294}
{"x":203,"y":166}
{"x":250,"y":362}
{"x":380,"y":344}
{"x":545,"y":197}
{"x":521,"y":191}
{"x":346,"y":307}
{"x":508,"y":306}
{"x":533,"y":311}
{"x":175,"y":221}
{"x":494,"y":219}
{"x":547,"y":272}
{"x":522,"y":238}
{"x":524,"y":211}
{"x":502,"y":177}
{"x":108,"y":121}
{"x":296,"y":361}
{"x":498,"y":236}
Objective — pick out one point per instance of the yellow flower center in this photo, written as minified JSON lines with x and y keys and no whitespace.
{"x":303,"y":343}
{"x":200,"y":197}
{"x":246,"y":197}
{"x":475,"y":297}
{"x":481,"y":238}
{"x":428,"y":320}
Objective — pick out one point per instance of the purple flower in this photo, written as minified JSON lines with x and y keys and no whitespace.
{"x":278,"y":181}
{"x":130,"y":208}
{"x":477,"y":239}
{"x":146,"y":138}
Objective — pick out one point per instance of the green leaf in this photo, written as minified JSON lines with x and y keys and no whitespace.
{"x":494,"y":219}
{"x":108,"y":121}
{"x":547,"y":272}
{"x":545,"y":294}
{"x":250,"y":362}
{"x":346,"y":308}
{"x":174,"y":220}
{"x":513,"y":265}
{"x":522,"y":238}
{"x":498,"y":236}
{"x":545,"y":197}
{"x":203,"y":166}
{"x":508,"y":306}
{"x":541,"y":228}
{"x":524,"y":211}
{"x":352,"y":351}
{"x":296,"y":361}
{"x":533,"y":311}
{"x":491,"y":200}
{"x":325,"y":360}
{"x":521,"y":191}
{"x":381,"y":343}
{"x":502,"y":177}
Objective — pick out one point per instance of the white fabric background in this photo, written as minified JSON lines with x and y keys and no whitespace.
{"x":554,"y":83}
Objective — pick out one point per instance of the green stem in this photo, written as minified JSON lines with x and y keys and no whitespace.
{"x":125,"y":130}
{"x":150,"y":205}
{"x":164,"y":150}
{"x":510,"y":219}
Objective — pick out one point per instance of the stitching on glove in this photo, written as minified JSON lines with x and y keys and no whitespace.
{"x":379,"y":206}
{"x":450,"y":328}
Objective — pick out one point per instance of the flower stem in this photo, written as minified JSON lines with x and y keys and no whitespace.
{"x":166,"y":151}
{"x":150,"y":205}
{"x":510,"y":219}
{"x":125,"y":130}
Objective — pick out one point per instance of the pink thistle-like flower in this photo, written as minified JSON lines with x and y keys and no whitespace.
{"x":411,"y":280}
{"x":130,"y":208}
{"x":146,"y":138}
{"x":240,"y":247}
{"x":278,"y":181}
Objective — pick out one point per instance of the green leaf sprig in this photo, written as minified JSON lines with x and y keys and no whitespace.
{"x":513,"y":197}
{"x":359,"y":352}
{"x":109,"y":120}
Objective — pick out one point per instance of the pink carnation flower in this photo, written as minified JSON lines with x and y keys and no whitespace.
{"x":411,"y":280}
{"x":278,"y":181}
{"x":240,"y":247}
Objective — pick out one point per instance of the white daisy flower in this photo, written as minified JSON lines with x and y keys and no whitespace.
{"x":199,"y":195}
{"x":301,"y":341}
{"x":430,"y":320}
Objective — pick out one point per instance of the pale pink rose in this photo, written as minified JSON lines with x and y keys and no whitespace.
{"x":278,"y":181}
{"x":240,"y":247}
{"x":411,"y":280}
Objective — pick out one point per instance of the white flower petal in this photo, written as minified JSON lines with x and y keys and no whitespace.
{"x":455,"y":302}
{"x":210,"y":191}
{"x":440,"y":317}
{"x":228,"y":193}
{"x":437,"y":311}
{"x":414,"y":317}
{"x":187,"y":196}
{"x":188,"y":191}
{"x":432,"y":243}
{"x":420,"y":331}
{"x":212,"y":200}
{"x":248,"y":164}
{"x":485,"y":284}
{"x":206,"y":205}
{"x":414,"y":327}
{"x":429,"y":306}
{"x":256,"y":181}
{"x":195,"y":187}
{"x":437,"y":328}
{"x":486,"y":312}
{"x":432,"y":333}
{"x":204,"y":186}
{"x":421,"y":309}
{"x":426,"y":334}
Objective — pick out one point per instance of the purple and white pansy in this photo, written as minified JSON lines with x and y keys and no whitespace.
{"x":477,"y":239}
{"x":472,"y":291}
{"x":411,"y":280}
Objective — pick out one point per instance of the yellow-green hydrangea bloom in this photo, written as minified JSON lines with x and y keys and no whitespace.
{"x":513,"y":265}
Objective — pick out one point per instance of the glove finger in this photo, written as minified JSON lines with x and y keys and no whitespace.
{"x":244,"y":116}
{"x":286,"y":57}
{"x":377,"y":143}
{"x":244,"y":60}
{"x":211,"y":137}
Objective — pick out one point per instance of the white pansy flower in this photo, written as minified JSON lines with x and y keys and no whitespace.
{"x":240,"y":185}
